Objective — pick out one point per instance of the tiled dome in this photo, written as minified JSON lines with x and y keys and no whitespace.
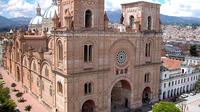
{"x":36,"y":20}
{"x":50,"y":11}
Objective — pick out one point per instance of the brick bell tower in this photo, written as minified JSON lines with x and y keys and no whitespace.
{"x":82,"y":14}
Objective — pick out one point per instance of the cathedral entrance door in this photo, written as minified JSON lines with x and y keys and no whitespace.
{"x":120,"y":96}
{"x":88,"y":106}
{"x":146,"y":98}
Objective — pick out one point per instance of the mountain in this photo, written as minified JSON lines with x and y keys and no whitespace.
{"x":21,"y":20}
{"x":6,"y":24}
{"x":179,"y":20}
{"x":114,"y":17}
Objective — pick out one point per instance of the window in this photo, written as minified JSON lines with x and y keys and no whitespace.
{"x":60,"y":51}
{"x":147,"y":78}
{"x":88,"y":88}
{"x":148,"y":49}
{"x":60,"y":87}
{"x":34,"y":66}
{"x":172,"y":83}
{"x":38,"y":82}
{"x":149,"y":23}
{"x":46,"y":71}
{"x":87,"y":53}
{"x":164,"y":85}
{"x":182,"y":71}
{"x":117,"y":72}
{"x":121,"y":71}
{"x":126,"y":71}
{"x":169,"y":84}
{"x":42,"y":85}
{"x":25,"y":62}
{"x":132,"y":22}
{"x":88,"y":19}
{"x":50,"y":91}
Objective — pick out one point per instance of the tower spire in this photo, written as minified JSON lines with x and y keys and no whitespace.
{"x":54,"y":2}
{"x":38,"y":10}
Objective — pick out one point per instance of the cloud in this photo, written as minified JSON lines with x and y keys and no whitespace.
{"x":17,"y":8}
{"x":23,"y":8}
{"x":112,"y":5}
{"x":186,"y":8}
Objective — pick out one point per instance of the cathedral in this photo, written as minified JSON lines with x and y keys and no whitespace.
{"x":72,"y":61}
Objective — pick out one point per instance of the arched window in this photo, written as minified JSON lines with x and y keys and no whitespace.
{"x":87,"y":53}
{"x":148,"y":49}
{"x":60,"y":51}
{"x":132,"y":21}
{"x":88,"y":19}
{"x":147,"y":78}
{"x":46,"y":71}
{"x":88,"y":88}
{"x":50,"y":91}
{"x":149,"y":23}
{"x":34,"y":66}
{"x":59,"y":87}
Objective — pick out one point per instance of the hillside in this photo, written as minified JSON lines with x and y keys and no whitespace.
{"x":6,"y":24}
{"x":114,"y":17}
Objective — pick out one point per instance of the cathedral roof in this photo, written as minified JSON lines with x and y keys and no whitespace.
{"x":50,"y":11}
{"x":36,"y":20}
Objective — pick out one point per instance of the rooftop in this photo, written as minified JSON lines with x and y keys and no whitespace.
{"x":171,"y":63}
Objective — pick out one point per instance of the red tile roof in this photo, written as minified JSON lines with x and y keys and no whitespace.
{"x":171,"y":63}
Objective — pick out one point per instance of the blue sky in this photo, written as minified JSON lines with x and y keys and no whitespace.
{"x":26,"y":8}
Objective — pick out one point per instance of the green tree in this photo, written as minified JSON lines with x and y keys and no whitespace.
{"x":13,"y":85}
{"x":28,"y":108}
{"x":193,"y":50}
{"x":6,"y":104}
{"x":165,"y":107}
{"x":197,"y":86}
{"x":19,"y":95}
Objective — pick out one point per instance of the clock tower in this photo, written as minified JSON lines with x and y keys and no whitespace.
{"x":82,"y":14}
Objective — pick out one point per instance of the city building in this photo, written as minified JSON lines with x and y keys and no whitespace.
{"x":178,"y":77}
{"x":84,"y":66}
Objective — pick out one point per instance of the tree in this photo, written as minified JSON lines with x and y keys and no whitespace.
{"x":28,"y":108}
{"x":19,"y":95}
{"x":13,"y":85}
{"x":197,"y":86}
{"x":165,"y":107}
{"x":193,"y":50}
{"x":6,"y":104}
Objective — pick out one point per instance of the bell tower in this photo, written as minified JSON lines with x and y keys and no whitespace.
{"x":141,"y":16}
{"x":83,"y":14}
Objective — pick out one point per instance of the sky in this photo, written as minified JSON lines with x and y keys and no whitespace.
{"x":26,"y":8}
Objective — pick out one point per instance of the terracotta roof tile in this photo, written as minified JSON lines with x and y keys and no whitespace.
{"x":171,"y":63}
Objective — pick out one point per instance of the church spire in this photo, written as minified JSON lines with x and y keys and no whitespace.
{"x":54,"y":2}
{"x":38,"y":10}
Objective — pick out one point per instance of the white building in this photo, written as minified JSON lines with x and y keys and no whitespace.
{"x":178,"y":77}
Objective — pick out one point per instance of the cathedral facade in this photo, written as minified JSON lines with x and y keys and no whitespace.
{"x":85,"y":66}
